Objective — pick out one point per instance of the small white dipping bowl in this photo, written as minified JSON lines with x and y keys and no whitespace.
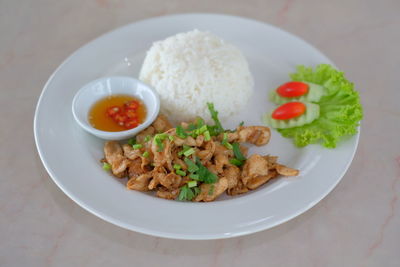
{"x":103,"y":87}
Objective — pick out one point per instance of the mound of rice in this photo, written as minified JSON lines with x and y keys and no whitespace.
{"x":190,"y":69}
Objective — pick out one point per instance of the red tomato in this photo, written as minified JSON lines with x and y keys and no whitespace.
{"x":131,"y":124}
{"x":111,"y":111}
{"x":289,"y":110}
{"x":131,"y":114}
{"x":132,"y":105}
{"x":292,"y":89}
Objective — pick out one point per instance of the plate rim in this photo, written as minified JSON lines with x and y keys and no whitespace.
{"x":170,"y":235}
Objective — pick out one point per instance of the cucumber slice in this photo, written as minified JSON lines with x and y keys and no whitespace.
{"x":315,"y":92}
{"x":312,"y":113}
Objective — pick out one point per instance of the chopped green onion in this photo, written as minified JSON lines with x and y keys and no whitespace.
{"x":147,"y":138}
{"x":159,"y":138}
{"x":146,"y":154}
{"x":171,"y":137}
{"x":192,"y":184}
{"x":227,"y":145}
{"x":194,"y":176}
{"x":217,"y":128}
{"x":180,"y":172}
{"x":189,"y":152}
{"x":132,"y":141}
{"x":211,"y":190}
{"x":241,"y":123}
{"x":180,"y":132}
{"x":106,"y":166}
{"x":207,"y":136}
{"x":236,"y":162}
{"x":185,"y":148}
{"x":238,"y":152}
{"x":137,"y":146}
{"x":203,"y":129}
{"x":225,"y":142}
{"x":177,"y":167}
{"x":192,"y":167}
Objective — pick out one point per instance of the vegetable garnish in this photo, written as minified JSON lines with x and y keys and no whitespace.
{"x":187,"y":194}
{"x":137,"y":146}
{"x":132,"y":141}
{"x":217,"y":128}
{"x":106,"y":166}
{"x":189,"y":152}
{"x":180,"y":132}
{"x":177,"y":167}
{"x":225,"y":142}
{"x":340,"y":108}
{"x":159,"y":138}
{"x":185,"y":148}
{"x":292,"y":89}
{"x":289,"y":110}
{"x":236,"y":162}
{"x":192,"y":184}
{"x":180,"y":172}
{"x":192,"y":167}
{"x":147,"y":138}
{"x":146,"y":154}
{"x":236,"y":151}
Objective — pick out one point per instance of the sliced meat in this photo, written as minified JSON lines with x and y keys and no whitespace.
{"x":114,"y":156}
{"x":209,"y":192}
{"x":286,"y":171}
{"x":140,"y":183}
{"x":167,"y":194}
{"x":130,"y":152}
{"x":257,"y":181}
{"x":149,"y":131}
{"x":255,"y":166}
{"x":161,"y":124}
{"x":232,"y":174}
{"x":257,"y":135}
{"x":240,"y":188}
{"x":135,"y":168}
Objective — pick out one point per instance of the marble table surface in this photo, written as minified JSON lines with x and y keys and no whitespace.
{"x":357,"y":224}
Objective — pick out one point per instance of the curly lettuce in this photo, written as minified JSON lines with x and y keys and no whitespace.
{"x":340,"y":108}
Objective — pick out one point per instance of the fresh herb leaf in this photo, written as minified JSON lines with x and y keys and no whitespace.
{"x":236,"y":162}
{"x":132,"y":141}
{"x":187,"y":194}
{"x":180,"y":132}
{"x":137,"y":146}
{"x":147,"y":138}
{"x":189,"y":152}
{"x":192,"y":167}
{"x":180,"y":172}
{"x":192,"y":184}
{"x":241,"y":123}
{"x":217,"y":128}
{"x":194,"y":176}
{"x":205,"y":175}
{"x":207,"y":136}
{"x":177,"y":167}
{"x":237,"y":152}
{"x":106,"y":166}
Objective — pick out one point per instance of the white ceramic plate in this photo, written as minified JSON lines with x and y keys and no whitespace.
{"x":71,"y":156}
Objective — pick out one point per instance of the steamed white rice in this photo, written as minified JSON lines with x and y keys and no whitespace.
{"x":190,"y":69}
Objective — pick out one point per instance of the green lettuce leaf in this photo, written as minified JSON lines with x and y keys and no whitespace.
{"x":340,"y":109}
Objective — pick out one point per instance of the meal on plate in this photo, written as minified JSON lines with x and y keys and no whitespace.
{"x":194,"y":161}
{"x":199,"y":161}
{"x":318,"y":105}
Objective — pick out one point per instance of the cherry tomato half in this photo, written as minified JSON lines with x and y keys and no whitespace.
{"x":111,"y":111}
{"x":289,"y":110}
{"x":292,"y":89}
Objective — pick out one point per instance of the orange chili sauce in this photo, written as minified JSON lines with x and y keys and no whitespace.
{"x":99,"y":119}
